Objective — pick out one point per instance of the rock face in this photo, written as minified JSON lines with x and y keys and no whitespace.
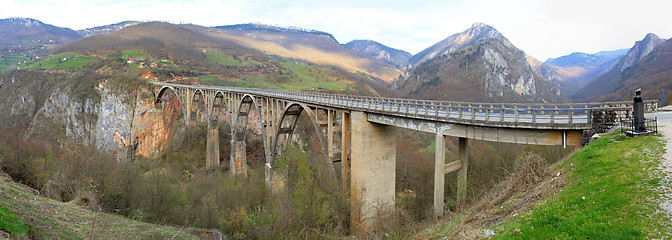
{"x":106,"y":29}
{"x":640,"y":50}
{"x":476,"y":65}
{"x":375,"y":50}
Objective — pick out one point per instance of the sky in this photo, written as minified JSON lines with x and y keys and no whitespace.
{"x":542,"y":29}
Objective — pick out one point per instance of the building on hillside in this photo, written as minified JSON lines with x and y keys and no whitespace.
{"x":142,"y":65}
{"x":130,"y":60}
{"x":153,"y":65}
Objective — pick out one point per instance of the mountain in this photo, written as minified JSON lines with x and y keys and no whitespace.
{"x":373,"y":49}
{"x":107,"y":28}
{"x":14,"y":30}
{"x":479,"y":64}
{"x":551,"y":74}
{"x":309,"y":45}
{"x":159,"y":40}
{"x":580,"y":68}
{"x":646,"y":65}
{"x":477,"y":32}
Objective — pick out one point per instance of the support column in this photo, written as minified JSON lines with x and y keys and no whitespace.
{"x":439,"y":174}
{"x":238,"y":154}
{"x":212,"y":148}
{"x":373,"y":172}
{"x":462,"y":173}
{"x":345,"y":147}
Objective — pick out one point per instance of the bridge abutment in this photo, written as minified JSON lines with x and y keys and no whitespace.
{"x":373,"y":166}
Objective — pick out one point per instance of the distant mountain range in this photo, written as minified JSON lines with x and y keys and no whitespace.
{"x":580,"y":68}
{"x":647,"y":63}
{"x":15,"y":30}
{"x":478,"y":64}
{"x":376,"y":50}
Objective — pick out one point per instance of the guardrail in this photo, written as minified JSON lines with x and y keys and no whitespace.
{"x":525,"y":115}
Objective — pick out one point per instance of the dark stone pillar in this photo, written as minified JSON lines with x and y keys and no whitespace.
{"x":638,"y":111}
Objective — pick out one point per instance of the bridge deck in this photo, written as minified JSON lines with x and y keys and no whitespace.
{"x":509,"y":115}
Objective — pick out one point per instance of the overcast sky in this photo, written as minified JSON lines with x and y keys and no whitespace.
{"x":542,"y":29}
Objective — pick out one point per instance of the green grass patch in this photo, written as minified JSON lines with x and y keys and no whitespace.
{"x":10,"y":223}
{"x":224,"y":59}
{"x":67,"y":61}
{"x":298,"y":76}
{"x":136,"y":54}
{"x":610,"y":195}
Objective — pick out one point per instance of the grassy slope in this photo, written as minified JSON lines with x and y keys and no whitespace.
{"x":609,"y":193}
{"x":22,"y":213}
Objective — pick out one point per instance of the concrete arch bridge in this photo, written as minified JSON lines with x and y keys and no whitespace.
{"x":366,"y":127}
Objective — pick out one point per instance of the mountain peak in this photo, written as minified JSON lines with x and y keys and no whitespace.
{"x":640,"y":50}
{"x":456,"y":42}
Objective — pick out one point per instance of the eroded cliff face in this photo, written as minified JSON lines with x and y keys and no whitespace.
{"x":116,"y":122}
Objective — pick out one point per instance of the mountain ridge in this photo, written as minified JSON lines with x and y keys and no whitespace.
{"x":376,"y":50}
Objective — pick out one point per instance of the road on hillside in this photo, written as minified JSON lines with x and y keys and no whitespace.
{"x":665,"y":127}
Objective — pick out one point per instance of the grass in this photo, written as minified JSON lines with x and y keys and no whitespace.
{"x":11,"y":223}
{"x":136,"y":54}
{"x":24,"y":214}
{"x":221,"y":58}
{"x":610,"y":195}
{"x":67,"y":61}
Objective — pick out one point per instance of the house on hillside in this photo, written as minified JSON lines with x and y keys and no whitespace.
{"x":130,"y":60}
{"x":153,"y":65}
{"x":142,"y":65}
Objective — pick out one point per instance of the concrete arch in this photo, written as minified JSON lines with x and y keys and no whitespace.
{"x":162,"y":91}
{"x":287,"y":124}
{"x":238,"y":129}
{"x":198,"y":97}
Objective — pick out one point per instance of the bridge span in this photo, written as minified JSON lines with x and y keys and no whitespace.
{"x":366,"y":127}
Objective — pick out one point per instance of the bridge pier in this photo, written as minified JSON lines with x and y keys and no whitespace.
{"x":441,"y":169}
{"x":373,"y":165}
{"x":212,"y":142}
{"x":238,"y":153}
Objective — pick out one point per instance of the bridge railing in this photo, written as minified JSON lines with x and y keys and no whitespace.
{"x":569,"y":115}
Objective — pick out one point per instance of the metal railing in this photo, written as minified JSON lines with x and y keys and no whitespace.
{"x":649,"y":124}
{"x":524,"y":115}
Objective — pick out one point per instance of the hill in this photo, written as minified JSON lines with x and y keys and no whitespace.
{"x":600,"y":192}
{"x":25,"y":214}
{"x":645,"y":66}
{"x":312,"y":46}
{"x":478,"y":64}
{"x":14,"y":30}
{"x":158,"y":39}
{"x":376,"y":50}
